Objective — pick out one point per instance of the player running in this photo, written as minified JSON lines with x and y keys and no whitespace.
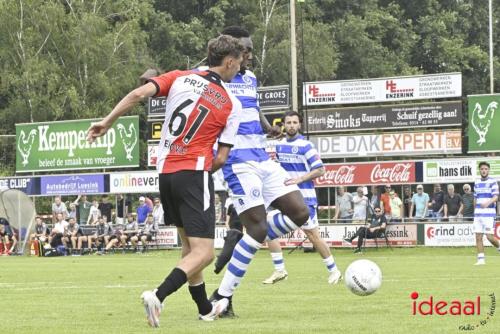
{"x":299,"y":158}
{"x":485,"y":203}
{"x":256,"y":181}
{"x":199,"y":109}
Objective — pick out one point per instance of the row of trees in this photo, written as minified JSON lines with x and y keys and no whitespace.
{"x":68,"y":59}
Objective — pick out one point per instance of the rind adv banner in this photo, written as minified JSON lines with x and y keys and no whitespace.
{"x":63,"y":145}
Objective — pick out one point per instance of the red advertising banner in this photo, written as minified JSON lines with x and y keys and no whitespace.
{"x":367,"y":173}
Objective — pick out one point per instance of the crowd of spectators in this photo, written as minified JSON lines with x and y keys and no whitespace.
{"x":411,"y":206}
{"x":90,"y":226}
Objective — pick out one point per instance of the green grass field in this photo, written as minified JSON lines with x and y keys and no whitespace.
{"x":100,"y":294}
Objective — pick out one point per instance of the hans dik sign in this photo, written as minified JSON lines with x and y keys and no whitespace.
{"x":401,"y":116}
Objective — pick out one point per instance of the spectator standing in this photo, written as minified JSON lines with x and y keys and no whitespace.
{"x":158,"y":215}
{"x":468,"y":202}
{"x":94,"y":213}
{"x":385,"y":200}
{"x":360,"y":202}
{"x":374,"y":199}
{"x":407,"y":196}
{"x":397,"y":209}
{"x":419,"y":202}
{"x":83,"y":207}
{"x":437,"y":203}
{"x":106,"y":207}
{"x":123,"y":205}
{"x":72,"y":211}
{"x":58,"y":207}
{"x":453,"y":205}
{"x":142,"y":210}
{"x":343,"y":206}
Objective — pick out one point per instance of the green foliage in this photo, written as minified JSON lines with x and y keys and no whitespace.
{"x":67,"y":59}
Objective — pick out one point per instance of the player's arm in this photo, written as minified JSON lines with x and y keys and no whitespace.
{"x":307,"y":177}
{"x":221,"y":156}
{"x":486,"y":204}
{"x":315,"y":165}
{"x":227,"y":136}
{"x":127,"y":103}
{"x":273,"y":131}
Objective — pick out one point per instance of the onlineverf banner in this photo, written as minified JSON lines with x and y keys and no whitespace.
{"x":449,"y":171}
{"x":484,"y":122}
{"x":63,"y":145}
{"x":434,"y":86}
{"x":399,"y":116}
{"x":72,"y":184}
{"x":453,"y":235}
{"x":387,"y":144}
{"x":134,"y":182}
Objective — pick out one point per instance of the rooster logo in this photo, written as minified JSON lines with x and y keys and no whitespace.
{"x":24,"y":144}
{"x":129,"y":139}
{"x":481,"y":120}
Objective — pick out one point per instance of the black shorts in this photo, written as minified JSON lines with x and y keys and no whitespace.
{"x":188,"y":199}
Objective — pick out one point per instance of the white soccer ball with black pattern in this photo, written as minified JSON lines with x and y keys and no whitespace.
{"x":363,"y":277}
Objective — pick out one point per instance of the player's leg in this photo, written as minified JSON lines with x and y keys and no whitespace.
{"x":490,"y":233}
{"x":246,"y":187}
{"x":280,"y":272}
{"x":230,"y":240}
{"x":334,"y":275}
{"x":189,"y":195}
{"x":478,"y":228}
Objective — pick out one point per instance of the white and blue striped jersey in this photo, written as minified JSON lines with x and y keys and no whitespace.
{"x":298,"y":156}
{"x":485,"y":190}
{"x":250,"y":141}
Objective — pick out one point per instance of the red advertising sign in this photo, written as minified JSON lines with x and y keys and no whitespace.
{"x":348,"y":174}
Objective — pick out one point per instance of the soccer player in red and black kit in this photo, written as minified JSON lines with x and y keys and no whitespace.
{"x":199,"y":109}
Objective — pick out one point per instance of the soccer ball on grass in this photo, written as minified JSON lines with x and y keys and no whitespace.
{"x":363,"y":277}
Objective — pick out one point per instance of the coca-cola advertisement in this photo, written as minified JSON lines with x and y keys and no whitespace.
{"x":367,"y":173}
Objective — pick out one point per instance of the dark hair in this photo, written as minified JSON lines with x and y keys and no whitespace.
{"x":235,"y":31}
{"x":484,"y":163}
{"x":291,"y":114}
{"x":221,"y":47}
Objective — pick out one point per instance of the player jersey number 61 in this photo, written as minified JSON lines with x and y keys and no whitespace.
{"x":177,"y":114}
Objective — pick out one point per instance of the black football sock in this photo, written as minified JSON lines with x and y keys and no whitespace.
{"x":172,"y":283}
{"x":199,"y":295}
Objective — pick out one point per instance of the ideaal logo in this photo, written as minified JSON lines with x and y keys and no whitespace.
{"x":472,"y":307}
